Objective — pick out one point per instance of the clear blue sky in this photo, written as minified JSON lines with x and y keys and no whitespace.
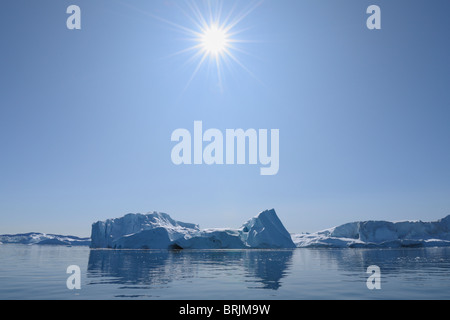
{"x":86,"y":115}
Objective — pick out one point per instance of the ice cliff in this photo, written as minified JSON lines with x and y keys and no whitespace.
{"x":159,"y":231}
{"x":379,"y":234}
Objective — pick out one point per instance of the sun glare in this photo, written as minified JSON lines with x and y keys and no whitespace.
{"x":214,"y":40}
{"x":214,"y":36}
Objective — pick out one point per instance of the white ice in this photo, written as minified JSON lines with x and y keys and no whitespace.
{"x":159,"y":231}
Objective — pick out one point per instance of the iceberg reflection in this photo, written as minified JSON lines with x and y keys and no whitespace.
{"x":262,"y":269}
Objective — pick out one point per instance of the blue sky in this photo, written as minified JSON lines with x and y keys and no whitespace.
{"x":86,"y":115}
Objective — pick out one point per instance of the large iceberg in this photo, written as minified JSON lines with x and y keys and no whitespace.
{"x":379,"y":234}
{"x":159,"y":231}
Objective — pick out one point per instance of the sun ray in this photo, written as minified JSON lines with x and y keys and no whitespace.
{"x":243,"y":15}
{"x":196,"y":47}
{"x":199,"y":65}
{"x":197,"y":14}
{"x":246,"y":52}
{"x":236,"y":60}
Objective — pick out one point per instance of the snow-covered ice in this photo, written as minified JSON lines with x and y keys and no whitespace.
{"x":382,"y":234}
{"x":266,"y":231}
{"x":43,"y":239}
{"x":159,"y":231}
{"x":137,"y":231}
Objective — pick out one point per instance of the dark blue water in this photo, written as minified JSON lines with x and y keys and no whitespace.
{"x":33,"y":272}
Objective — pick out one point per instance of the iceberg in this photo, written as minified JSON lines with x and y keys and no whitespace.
{"x":266,"y":232}
{"x":36,"y":238}
{"x":157,"y":230}
{"x":140,"y":231}
{"x":379,"y":234}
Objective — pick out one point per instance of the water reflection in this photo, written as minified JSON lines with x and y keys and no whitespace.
{"x":391,"y":261}
{"x":146,"y":269}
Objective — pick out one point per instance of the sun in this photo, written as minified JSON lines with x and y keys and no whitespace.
{"x":214,"y":35}
{"x":215,"y":40}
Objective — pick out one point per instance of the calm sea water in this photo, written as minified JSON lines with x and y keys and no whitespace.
{"x":38,"y":272}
